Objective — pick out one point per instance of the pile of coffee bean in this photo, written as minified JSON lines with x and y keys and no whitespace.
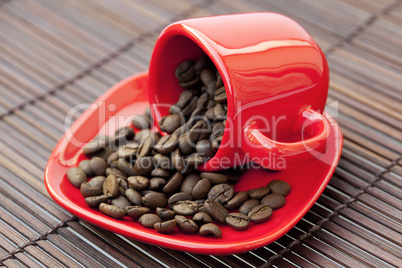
{"x":153,"y":179}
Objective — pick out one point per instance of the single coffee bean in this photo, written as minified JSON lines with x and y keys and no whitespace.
{"x":238,"y":221}
{"x":211,"y":103}
{"x":236,"y":200}
{"x":162,"y":161}
{"x":260,"y":214}
{"x":217,"y":130}
{"x":112,"y":211}
{"x":217,"y":143}
{"x":128,"y":151}
{"x":167,"y":144}
{"x":202,"y":100}
{"x":178,"y":161}
{"x":219,"y":81}
{"x":156,"y":183}
{"x":207,"y":77}
{"x":126,"y":132}
{"x":221,"y":193}
{"x":184,"y":98}
{"x":185,"y":145}
{"x":220,"y":95}
{"x":120,"y":202}
{"x":248,"y":205}
{"x":111,"y":187}
{"x":201,"y":189}
{"x":258,"y":193}
{"x":141,"y":121}
{"x":86,"y":167}
{"x":185,"y":71}
{"x":274,"y":201}
{"x":189,"y":182}
{"x":166,"y":227}
{"x":159,"y":172}
{"x":149,"y":220}
{"x":95,"y":145}
{"x":125,"y":167}
{"x":76,"y":176}
{"x":190,"y":107}
{"x":138,"y":182}
{"x":214,"y":177}
{"x":210,"y":114}
{"x":171,"y":122}
{"x":142,"y":134}
{"x":190,"y":84}
{"x":280,"y":187}
{"x":123,"y":185}
{"x":143,"y":166}
{"x":147,"y":191}
{"x":185,"y":208}
{"x":180,"y":196}
{"x":112,"y":159}
{"x":173,"y":184}
{"x":203,"y":63}
{"x":216,"y":211}
{"x":145,"y":147}
{"x":133,"y":196}
{"x":219,"y":112}
{"x":92,"y":188}
{"x":98,"y":166}
{"x":95,"y":201}
{"x":205,"y":147}
{"x":180,"y":130}
{"x":165,"y":214}
{"x":136,"y":212}
{"x":115,"y":172}
{"x":186,"y":225}
{"x":154,"y":200}
{"x":210,"y":229}
{"x":147,"y":111}
{"x":202,"y":218}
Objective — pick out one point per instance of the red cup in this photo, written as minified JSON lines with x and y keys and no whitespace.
{"x":276,"y":79}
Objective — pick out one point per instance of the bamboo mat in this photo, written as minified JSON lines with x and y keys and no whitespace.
{"x":57,"y":54}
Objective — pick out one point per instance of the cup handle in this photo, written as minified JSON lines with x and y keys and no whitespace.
{"x":277,"y":155}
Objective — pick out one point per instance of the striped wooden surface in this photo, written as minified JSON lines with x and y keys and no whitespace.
{"x":57,"y":54}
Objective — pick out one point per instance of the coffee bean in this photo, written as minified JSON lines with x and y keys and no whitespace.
{"x":185,"y":71}
{"x":95,"y":145}
{"x":159,"y":172}
{"x":98,"y":166}
{"x":145,"y":147}
{"x":258,"y":193}
{"x":112,"y":211}
{"x":147,"y":191}
{"x":205,"y":147}
{"x":190,"y":107}
{"x":136,"y":212}
{"x":149,"y":220}
{"x":147,"y":112}
{"x":260,"y":214}
{"x":123,"y":185}
{"x":173,"y":184}
{"x":203,"y":63}
{"x":210,"y":229}
{"x":186,"y":225}
{"x":92,"y":188}
{"x":153,"y":200}
{"x":202,"y":100}
{"x":207,"y":77}
{"x":171,"y":122}
{"x":165,"y":214}
{"x":138,"y":182}
{"x":219,"y":112}
{"x":189,"y":182}
{"x":211,"y":103}
{"x":162,"y":161}
{"x":190,"y":84}
{"x":125,"y":167}
{"x":166,"y":227}
{"x":280,"y":187}
{"x":86,"y":167}
{"x":115,"y":172}
{"x":167,"y":144}
{"x":180,"y":196}
{"x":143,"y":166}
{"x":141,"y":121}
{"x":214,"y":177}
{"x":76,"y":176}
{"x":220,"y":95}
{"x":238,"y":221}
{"x":221,"y":193}
{"x":126,"y":132}
{"x":185,"y":145}
{"x":210,"y":114}
{"x":156,"y":183}
{"x":201,"y":189}
{"x":219,"y":81}
{"x":111,"y":187}
{"x":248,"y":205}
{"x":95,"y":201}
{"x":184,"y":98}
{"x":217,"y":143}
{"x":133,"y":196}
{"x":178,"y":161}
{"x":201,"y":218}
{"x":185,"y":208}
{"x":273,"y":201}
{"x":216,"y":211}
{"x":120,"y":202}
{"x":127,"y":151}
{"x":112,"y":160}
{"x":236,"y":200}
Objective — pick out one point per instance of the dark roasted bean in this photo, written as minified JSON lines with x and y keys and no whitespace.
{"x":133,"y":196}
{"x":274,"y":201}
{"x":125,"y":167}
{"x":111,"y":187}
{"x":166,"y":227}
{"x":142,"y":134}
{"x":171,"y":122}
{"x":149,"y":220}
{"x":260,"y":214}
{"x":86,"y":167}
{"x":95,"y":201}
{"x":120,"y":202}
{"x":189,"y":182}
{"x":219,"y":112}
{"x":219,"y":81}
{"x":145,"y":147}
{"x":92,"y":188}
{"x":205,"y":147}
{"x":112,"y":160}
{"x":167,"y":144}
{"x":214,"y":177}
{"x":217,"y":143}
{"x":112,"y":211}
{"x":143,"y":166}
{"x":216,"y":211}
{"x":126,"y":132}
{"x":248,"y":205}
{"x":136,"y":212}
{"x":98,"y":166}
{"x":280,"y":187}
{"x":238,"y":221}
{"x":154,"y":200}
{"x":202,"y":100}
{"x":141,"y":121}
{"x":202,"y":218}
{"x":162,"y":161}
{"x":159,"y":172}
{"x":201,"y":189}
{"x":95,"y":145}
{"x":210,"y":229}
{"x":165,"y":214}
{"x":156,"y":183}
{"x":180,"y":196}
{"x":258,"y":193}
{"x":207,"y":77}
{"x":185,"y":208}
{"x":195,"y":159}
{"x":178,"y":161}
{"x":128,"y":151}
{"x":203,"y":63}
{"x":186,"y":225}
{"x":185,"y":71}
{"x":221,"y":193}
{"x":76,"y":176}
{"x":138,"y":182}
{"x":236,"y":200}
{"x":220,"y":95}
{"x":115,"y":172}
{"x":173,"y":184}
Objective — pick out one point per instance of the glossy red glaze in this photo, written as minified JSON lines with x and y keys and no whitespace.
{"x":113,"y":110}
{"x":273,"y":72}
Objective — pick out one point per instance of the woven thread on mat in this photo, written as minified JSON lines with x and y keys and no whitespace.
{"x":121,"y":50}
{"x":33,"y":240}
